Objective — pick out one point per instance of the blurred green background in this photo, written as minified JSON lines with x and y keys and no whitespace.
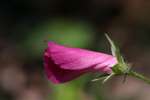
{"x":26,"y":25}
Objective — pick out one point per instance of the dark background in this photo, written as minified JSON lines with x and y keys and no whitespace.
{"x":26,"y":24}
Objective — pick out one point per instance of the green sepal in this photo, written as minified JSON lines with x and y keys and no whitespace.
{"x":100,"y":77}
{"x":108,"y":77}
{"x":121,"y":66}
{"x":116,"y":69}
{"x":115,"y":50}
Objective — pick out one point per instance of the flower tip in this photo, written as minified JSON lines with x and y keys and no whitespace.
{"x":51,"y":43}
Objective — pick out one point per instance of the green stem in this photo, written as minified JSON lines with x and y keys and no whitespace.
{"x":139,"y":76}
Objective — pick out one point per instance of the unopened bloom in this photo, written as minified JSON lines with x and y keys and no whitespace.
{"x":63,"y":63}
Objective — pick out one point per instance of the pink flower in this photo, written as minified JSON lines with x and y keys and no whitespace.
{"x":63,"y":64}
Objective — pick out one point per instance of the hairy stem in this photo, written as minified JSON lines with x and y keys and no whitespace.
{"x":139,"y":76}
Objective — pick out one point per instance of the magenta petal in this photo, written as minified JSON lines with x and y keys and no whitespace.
{"x":58,"y":75}
{"x":64,"y":63}
{"x":76,"y":59}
